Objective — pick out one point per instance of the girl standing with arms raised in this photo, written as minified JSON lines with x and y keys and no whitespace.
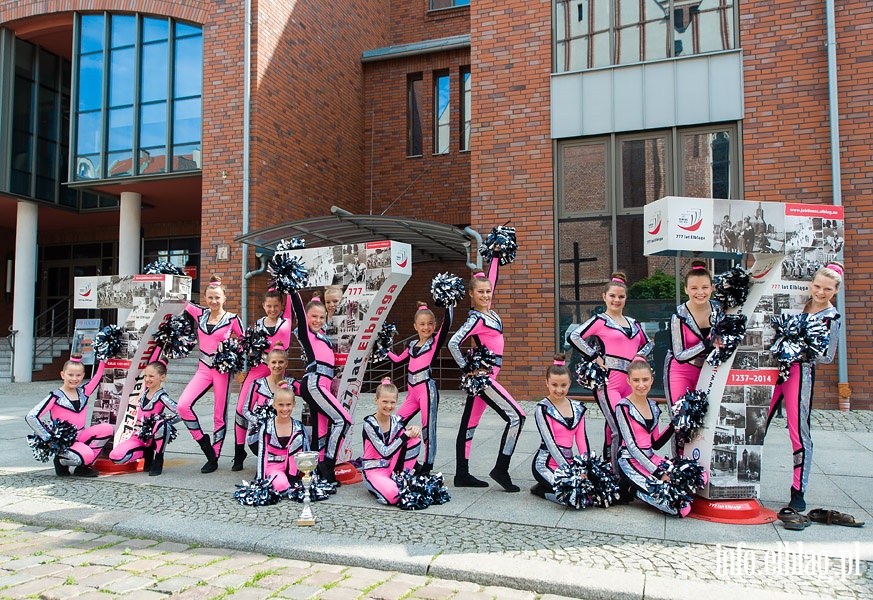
{"x":486,"y":329}
{"x":214,"y":325}
{"x":689,"y":338}
{"x":621,"y":338}
{"x":796,"y":390}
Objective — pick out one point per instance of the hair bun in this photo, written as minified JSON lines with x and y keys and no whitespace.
{"x":385,"y":381}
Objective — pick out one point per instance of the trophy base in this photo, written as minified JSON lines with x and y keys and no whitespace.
{"x":306,"y":522}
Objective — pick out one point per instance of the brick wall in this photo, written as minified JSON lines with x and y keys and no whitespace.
{"x":413,"y":21}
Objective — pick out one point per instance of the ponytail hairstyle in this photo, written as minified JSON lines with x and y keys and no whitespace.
{"x":278,"y":350}
{"x":558,"y":367}
{"x":698,"y":269}
{"x":386,"y":387}
{"x":617,"y":279}
{"x":75,"y":359}
{"x":833,"y":270}
{"x":639,"y":363}
{"x":285,"y":390}
{"x":274,"y":293}
{"x":315,"y":301}
{"x":215,"y":283}
{"x":422,"y":309}
{"x":159,"y":366}
{"x":478,"y":277}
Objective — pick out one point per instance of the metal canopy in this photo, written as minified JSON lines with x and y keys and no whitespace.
{"x":429,"y":240}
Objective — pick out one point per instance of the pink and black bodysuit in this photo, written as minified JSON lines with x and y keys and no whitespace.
{"x":387,"y":452}
{"x":422,"y":394}
{"x":260,"y":394}
{"x":558,"y":433}
{"x":134,"y":448}
{"x":209,"y":337}
{"x":276,"y":453}
{"x":90,"y":440}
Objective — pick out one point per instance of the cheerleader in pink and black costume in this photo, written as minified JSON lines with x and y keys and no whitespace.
{"x":70,"y":403}
{"x":637,"y":418}
{"x":796,"y":391}
{"x":315,"y":387}
{"x":214,"y":325}
{"x":263,"y":391}
{"x":486,"y":329}
{"x":279,"y":439}
{"x":389,"y":446}
{"x":561,"y":422}
{"x":621,"y":338}
{"x":276,"y":325}
{"x":155,"y":401}
{"x":689,"y":338}
{"x":422,"y":394}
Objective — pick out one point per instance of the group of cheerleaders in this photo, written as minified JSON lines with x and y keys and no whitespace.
{"x":391,"y":443}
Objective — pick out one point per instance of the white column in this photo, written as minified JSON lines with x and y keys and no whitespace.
{"x":129,"y":242}
{"x":24,"y":296}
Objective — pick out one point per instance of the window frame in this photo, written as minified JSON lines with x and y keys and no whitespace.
{"x":413,"y":105}
{"x":465,"y":121}
{"x":440,"y":135}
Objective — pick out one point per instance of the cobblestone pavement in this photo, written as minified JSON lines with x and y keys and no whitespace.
{"x":60,"y":563}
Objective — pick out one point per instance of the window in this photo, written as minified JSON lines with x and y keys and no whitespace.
{"x":439,"y":4}
{"x":413,"y":115}
{"x":138,"y":106}
{"x":597,"y":34}
{"x":466,"y":108}
{"x":442,"y":113}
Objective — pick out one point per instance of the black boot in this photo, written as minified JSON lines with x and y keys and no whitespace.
{"x":797,"y":501}
{"x":209,"y":452}
{"x":60,"y":470}
{"x":148,"y":457}
{"x":500,"y":473}
{"x":239,"y":456}
{"x":539,"y":490}
{"x":326,"y":470}
{"x":157,"y":466}
{"x":423,"y":469}
{"x":463,"y":477}
{"x":85,"y":471}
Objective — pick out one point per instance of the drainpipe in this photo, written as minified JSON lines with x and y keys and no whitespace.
{"x":845,"y":392}
{"x":247,"y":89}
{"x":474,"y":235}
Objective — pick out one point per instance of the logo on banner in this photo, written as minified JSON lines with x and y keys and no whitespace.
{"x":85,"y":290}
{"x":690,"y":220}
{"x":402,"y":259}
{"x":655,"y":224}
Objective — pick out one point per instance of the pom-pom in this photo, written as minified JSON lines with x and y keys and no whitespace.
{"x":176,"y":336}
{"x":289,"y":274}
{"x":731,"y":288}
{"x":228,"y":357}
{"x":726,"y":334}
{"x":162,"y":267}
{"x":259,"y":492}
{"x":500,"y":244}
{"x":62,"y":435}
{"x":447,"y":290}
{"x":384,"y":341}
{"x":255,"y":344}
{"x":688,"y":413}
{"x":319,"y":489}
{"x":586,"y":481}
{"x":262,"y":413}
{"x":686,"y":476}
{"x":147,"y":429}
{"x":107,"y":343}
{"x":417,"y":492}
{"x":799,"y":338}
{"x":477,"y":370}
{"x":591,"y":375}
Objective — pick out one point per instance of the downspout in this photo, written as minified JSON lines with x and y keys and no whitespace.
{"x":247,"y":89}
{"x":845,"y":392}
{"x":477,"y":237}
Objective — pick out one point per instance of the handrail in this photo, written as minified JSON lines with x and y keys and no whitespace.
{"x":58,"y":322}
{"x":11,"y":339}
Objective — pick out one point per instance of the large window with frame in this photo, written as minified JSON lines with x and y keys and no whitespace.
{"x":601,"y":33}
{"x":441,"y":112}
{"x":466,"y":108}
{"x":603,"y":185}
{"x":414,"y":93}
{"x":137,"y":96}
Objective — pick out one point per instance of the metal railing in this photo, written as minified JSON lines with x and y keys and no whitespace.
{"x":444,"y":370}
{"x":53,"y":324}
{"x":11,"y":341}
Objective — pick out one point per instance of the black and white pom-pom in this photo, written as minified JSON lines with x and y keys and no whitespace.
{"x":319,"y":490}
{"x":591,"y":375}
{"x":262,"y":413}
{"x":228,"y":357}
{"x":686,"y":476}
{"x":384,"y":342}
{"x":176,"y":336}
{"x":480,"y":363}
{"x":731,"y":288}
{"x":258,"y":492}
{"x":62,"y":436}
{"x":417,"y":492}
{"x":726,"y":334}
{"x":447,"y":290}
{"x":107,"y":343}
{"x":162,"y":267}
{"x":255,"y":344}
{"x":799,"y":338}
{"x":147,"y":430}
{"x":289,"y":273}
{"x":292,"y":244}
{"x":688,"y":413}
{"x":500,"y":244}
{"x":586,"y":481}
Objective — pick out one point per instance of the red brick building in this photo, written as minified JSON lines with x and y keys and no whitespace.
{"x":564,"y":117}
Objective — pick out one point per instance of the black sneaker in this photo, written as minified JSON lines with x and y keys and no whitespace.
{"x":84,"y":471}
{"x":61,"y":470}
{"x":797,"y":502}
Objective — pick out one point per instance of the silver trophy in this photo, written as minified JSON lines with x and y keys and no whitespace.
{"x":306,"y":462}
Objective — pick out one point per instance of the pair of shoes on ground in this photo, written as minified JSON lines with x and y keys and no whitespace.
{"x":797,"y":521}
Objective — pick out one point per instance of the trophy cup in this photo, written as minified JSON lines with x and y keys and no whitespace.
{"x":306,"y":462}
